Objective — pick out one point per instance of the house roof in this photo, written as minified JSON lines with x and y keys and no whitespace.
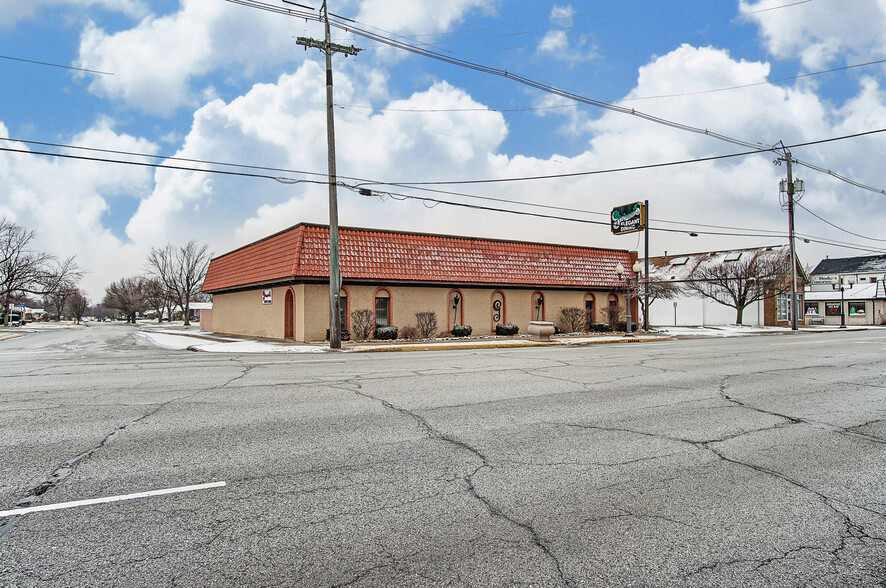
{"x":680,"y":268}
{"x":302,"y":252}
{"x":869,"y":264}
{"x":857,"y":292}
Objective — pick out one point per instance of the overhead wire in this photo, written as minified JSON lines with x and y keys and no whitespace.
{"x":92,"y":71}
{"x":348,"y":25}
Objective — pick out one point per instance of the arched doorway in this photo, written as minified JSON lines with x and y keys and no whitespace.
{"x":590,"y":315}
{"x":289,"y":316}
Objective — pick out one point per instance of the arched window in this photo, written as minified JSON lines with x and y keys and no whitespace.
{"x":499,"y":309}
{"x":456,"y":313}
{"x":345,"y":310}
{"x":590,"y":314}
{"x":383,"y":314}
{"x":613,"y":308}
{"x":538,"y":306}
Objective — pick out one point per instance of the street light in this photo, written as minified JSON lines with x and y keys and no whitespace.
{"x":834,"y":282}
{"x":620,"y":270}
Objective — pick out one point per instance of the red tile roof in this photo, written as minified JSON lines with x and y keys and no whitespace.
{"x":302,"y":252}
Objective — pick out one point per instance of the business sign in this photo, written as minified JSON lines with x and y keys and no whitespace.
{"x":629,"y":218}
{"x":267,"y":296}
{"x":823,"y":280}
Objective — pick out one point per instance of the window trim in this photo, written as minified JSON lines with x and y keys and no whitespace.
{"x":390,"y":299}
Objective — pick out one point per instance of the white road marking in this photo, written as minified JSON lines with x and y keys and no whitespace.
{"x":75,"y":503}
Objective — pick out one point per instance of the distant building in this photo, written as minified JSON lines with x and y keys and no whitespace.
{"x":692,"y":309}
{"x":864,"y":290}
{"x":278,"y":287}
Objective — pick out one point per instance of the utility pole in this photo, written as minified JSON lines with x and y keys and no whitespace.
{"x":789,"y":189}
{"x":329,"y":48}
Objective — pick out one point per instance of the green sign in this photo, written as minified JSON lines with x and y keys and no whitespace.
{"x":629,"y":218}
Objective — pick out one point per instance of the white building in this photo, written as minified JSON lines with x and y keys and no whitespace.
{"x":692,"y":309}
{"x":863,"y":297}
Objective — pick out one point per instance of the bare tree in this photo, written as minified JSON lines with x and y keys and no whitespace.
{"x":126,"y":295}
{"x":657,"y":289}
{"x":26,"y":271}
{"x":741,"y":282}
{"x":157,"y":297}
{"x":181,"y":269}
{"x":77,"y":305}
{"x":57,"y":300}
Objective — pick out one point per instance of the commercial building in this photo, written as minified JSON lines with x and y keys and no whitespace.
{"x":278,"y":287}
{"x":863,"y":297}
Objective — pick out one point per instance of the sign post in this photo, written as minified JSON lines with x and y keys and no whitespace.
{"x":631,"y":218}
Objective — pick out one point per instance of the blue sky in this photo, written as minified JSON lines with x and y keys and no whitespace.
{"x":212,"y":80}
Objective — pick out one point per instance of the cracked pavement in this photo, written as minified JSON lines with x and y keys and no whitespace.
{"x":751,"y":462}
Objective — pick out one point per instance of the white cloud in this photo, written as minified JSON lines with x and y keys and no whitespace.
{"x":157,"y":62}
{"x":820,"y":33}
{"x":436,"y":134}
{"x":66,"y":201}
{"x":418,"y":16}
{"x":15,"y":11}
{"x":562,"y":13}
{"x":283,"y":124}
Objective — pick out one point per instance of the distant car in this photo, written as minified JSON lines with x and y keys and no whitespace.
{"x":15,"y":319}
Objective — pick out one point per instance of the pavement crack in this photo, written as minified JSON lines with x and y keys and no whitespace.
{"x":490,"y":506}
{"x":64,"y":471}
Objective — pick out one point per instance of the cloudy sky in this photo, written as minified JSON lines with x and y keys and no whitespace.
{"x":197,"y":81}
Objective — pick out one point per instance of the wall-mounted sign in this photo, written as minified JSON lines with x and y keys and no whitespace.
{"x":267,"y":296}
{"x":823,"y":280}
{"x":629,"y":218}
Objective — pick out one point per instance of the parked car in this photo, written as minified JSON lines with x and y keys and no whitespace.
{"x":15,"y":319}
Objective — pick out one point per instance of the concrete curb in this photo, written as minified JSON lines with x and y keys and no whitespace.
{"x":5,"y":336}
{"x":500,"y":345}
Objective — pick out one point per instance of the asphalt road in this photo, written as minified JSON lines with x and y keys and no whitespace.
{"x":747,"y":462}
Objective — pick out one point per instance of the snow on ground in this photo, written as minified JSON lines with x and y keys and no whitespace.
{"x":719,"y":331}
{"x":180,"y":342}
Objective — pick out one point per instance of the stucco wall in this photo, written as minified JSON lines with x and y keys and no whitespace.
{"x":243,"y":312}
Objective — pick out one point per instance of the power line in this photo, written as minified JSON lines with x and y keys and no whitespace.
{"x":364,"y":182}
{"x":164,"y":166}
{"x":637,"y":167}
{"x":435,"y":201}
{"x":348,"y":26}
{"x":838,"y":227}
{"x":92,"y":71}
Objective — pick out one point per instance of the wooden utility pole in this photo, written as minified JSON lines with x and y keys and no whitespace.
{"x":789,"y":189}
{"x":328,"y":47}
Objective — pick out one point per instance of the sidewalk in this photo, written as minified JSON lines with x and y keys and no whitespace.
{"x":192,"y":339}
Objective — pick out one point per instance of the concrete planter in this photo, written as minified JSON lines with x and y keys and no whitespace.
{"x":541,"y":330}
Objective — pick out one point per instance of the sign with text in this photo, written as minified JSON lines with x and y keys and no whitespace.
{"x":629,"y":218}
{"x":267,"y":296}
